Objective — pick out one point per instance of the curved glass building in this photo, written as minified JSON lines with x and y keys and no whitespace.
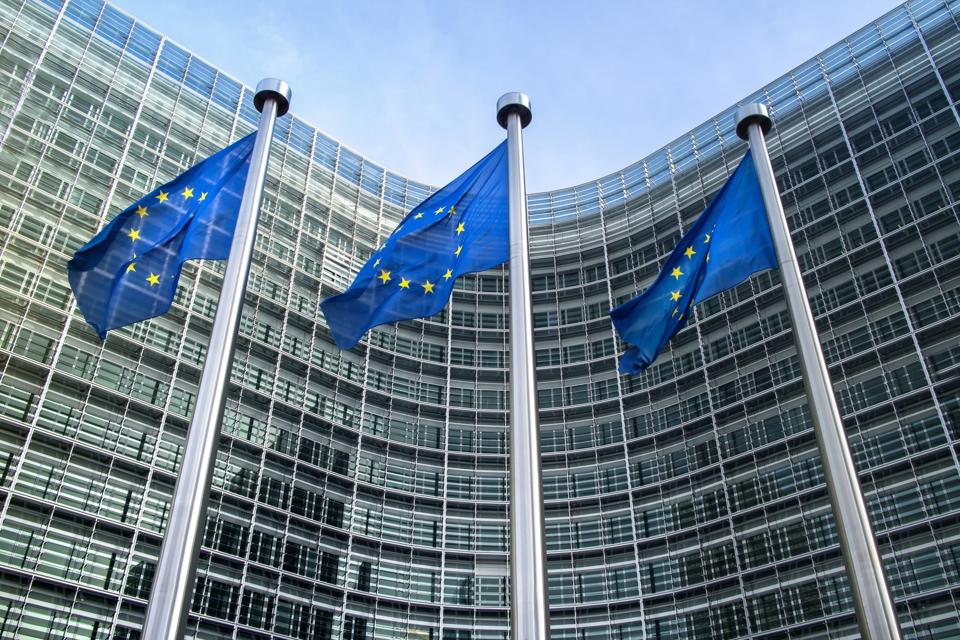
{"x":363,"y":494}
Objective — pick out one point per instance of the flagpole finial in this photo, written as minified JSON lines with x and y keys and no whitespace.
{"x":749,"y":113}
{"x":276,"y":89}
{"x":514,"y":102}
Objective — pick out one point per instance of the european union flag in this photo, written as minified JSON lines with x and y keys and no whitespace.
{"x":129,"y":271}
{"x":728,"y":243}
{"x":462,"y":228}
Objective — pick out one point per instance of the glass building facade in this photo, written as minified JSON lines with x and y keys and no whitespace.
{"x":363,"y":494}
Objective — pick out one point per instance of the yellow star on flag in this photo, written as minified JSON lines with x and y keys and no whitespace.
{"x":674,"y":295}
{"x":153,"y":279}
{"x":162,"y":196}
{"x":130,"y":267}
{"x":134,"y":235}
{"x":706,"y":240}
{"x":418,"y":216}
{"x":187,"y":193}
{"x":384,"y":276}
{"x":676,"y":273}
{"x":675,"y":309}
{"x":459,"y":228}
{"x":427,"y":287}
{"x":142,"y":211}
{"x":203,"y":196}
{"x":404,"y":283}
{"x":448,"y":274}
{"x":453,"y":210}
{"x":689,"y":252}
{"x":438,"y":211}
{"x":459,"y":249}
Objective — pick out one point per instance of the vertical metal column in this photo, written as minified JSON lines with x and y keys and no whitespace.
{"x":174,"y":578}
{"x":876,"y":613}
{"x":529,"y":614}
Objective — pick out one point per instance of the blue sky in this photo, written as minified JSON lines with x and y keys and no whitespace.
{"x":413,"y":85}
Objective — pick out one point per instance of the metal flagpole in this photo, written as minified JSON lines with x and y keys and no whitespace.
{"x":528,"y":567}
{"x":174,"y":578}
{"x":876,"y":613}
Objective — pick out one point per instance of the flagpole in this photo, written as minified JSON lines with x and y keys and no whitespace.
{"x":876,"y":613}
{"x":174,"y":578}
{"x":529,"y":614}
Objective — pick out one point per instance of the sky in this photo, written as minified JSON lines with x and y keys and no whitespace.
{"x":413,"y":85}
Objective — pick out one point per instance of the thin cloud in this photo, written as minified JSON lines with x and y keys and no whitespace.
{"x":413,"y":85}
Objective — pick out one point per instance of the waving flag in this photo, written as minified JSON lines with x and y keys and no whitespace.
{"x":728,"y":243}
{"x":462,"y":228}
{"x":129,"y":271}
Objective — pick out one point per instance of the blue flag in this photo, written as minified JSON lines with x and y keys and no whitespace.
{"x":728,"y":243}
{"x":129,"y":271}
{"x":462,"y":228}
